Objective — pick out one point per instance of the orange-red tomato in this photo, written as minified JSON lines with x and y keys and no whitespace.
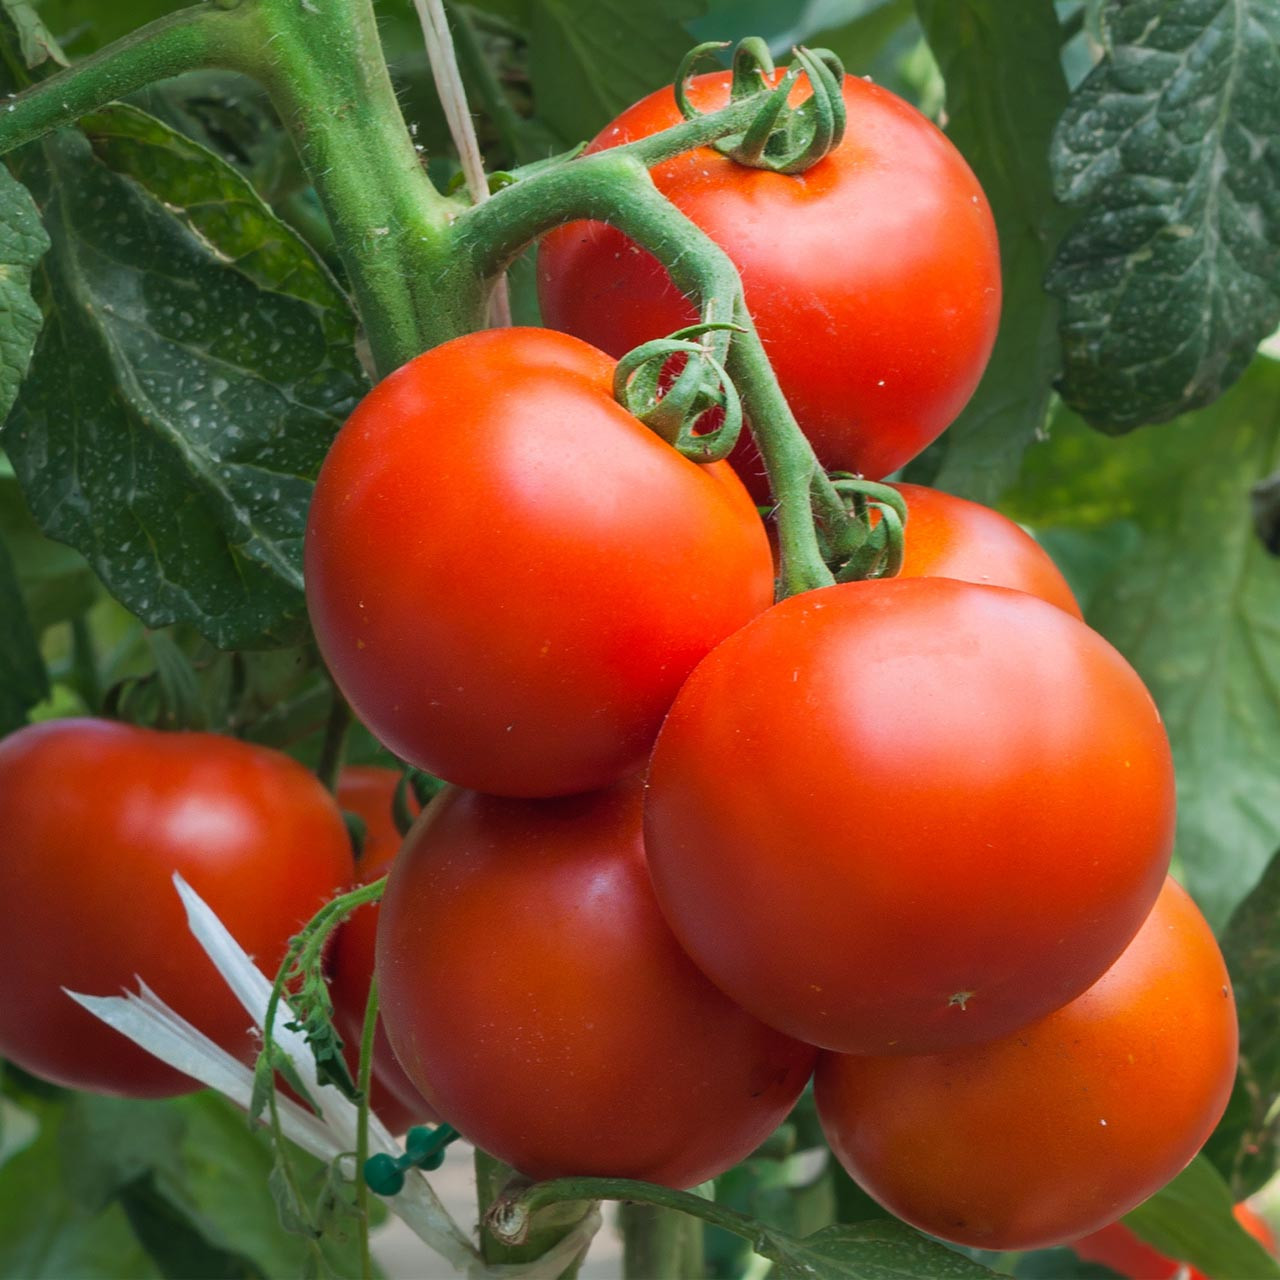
{"x":369,"y":792}
{"x":510,"y":576}
{"x":95,"y":818}
{"x":535,"y":996}
{"x":1117,"y":1247}
{"x":1062,"y":1126}
{"x":950,"y":537}
{"x":874,"y":277}
{"x":896,"y":816}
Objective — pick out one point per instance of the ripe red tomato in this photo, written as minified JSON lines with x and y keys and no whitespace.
{"x":97,"y":817}
{"x":1117,"y":1247}
{"x":535,"y":996}
{"x":950,"y":537}
{"x":895,"y":816}
{"x":509,"y":576}
{"x":1065,"y":1124}
{"x":370,"y":792}
{"x":874,"y":277}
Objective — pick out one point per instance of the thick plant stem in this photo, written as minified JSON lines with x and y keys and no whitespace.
{"x":202,"y":36}
{"x":510,"y":1217}
{"x":615,"y":187}
{"x":323,"y":67}
{"x":659,"y":1242}
{"x":322,"y":64}
{"x":544,"y":1229}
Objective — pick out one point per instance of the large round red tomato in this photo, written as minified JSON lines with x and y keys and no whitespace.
{"x":895,"y":816}
{"x":1065,"y":1124}
{"x":369,"y":793}
{"x":874,"y":277}
{"x":950,"y":537}
{"x":509,"y":576}
{"x":95,"y":818}
{"x":535,"y":996}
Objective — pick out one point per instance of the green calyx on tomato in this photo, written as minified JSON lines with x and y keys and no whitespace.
{"x":873,"y":277}
{"x":783,"y":138}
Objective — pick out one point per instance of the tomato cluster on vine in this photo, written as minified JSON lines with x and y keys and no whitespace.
{"x":906,"y":837}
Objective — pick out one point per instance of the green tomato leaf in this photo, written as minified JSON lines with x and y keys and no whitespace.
{"x":45,"y":1233}
{"x":35,"y":44}
{"x":1195,"y":607}
{"x":22,"y":244}
{"x":861,"y":40}
{"x":1191,"y":1219}
{"x":195,"y":365}
{"x":881,"y":1249}
{"x":591,"y":58}
{"x":23,"y":679}
{"x":57,"y":584}
{"x":1245,"y":1147}
{"x":1005,"y":91}
{"x":1171,"y":147}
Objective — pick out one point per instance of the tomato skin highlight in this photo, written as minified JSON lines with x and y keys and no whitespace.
{"x":536,"y":998}
{"x":1062,"y":1126}
{"x":950,"y":537}
{"x":96,"y":817}
{"x":896,"y":861}
{"x":873,"y":277}
{"x":510,"y":576}
{"x":369,"y":792}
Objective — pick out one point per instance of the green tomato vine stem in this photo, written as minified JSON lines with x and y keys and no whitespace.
{"x":509,"y":1216}
{"x":615,"y":187}
{"x":323,"y":67}
{"x":422,"y":265}
{"x":364,"y":1077}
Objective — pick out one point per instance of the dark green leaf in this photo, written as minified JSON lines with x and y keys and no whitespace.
{"x":226,"y":1167}
{"x":1089,"y":557}
{"x":1005,"y":91}
{"x":108,"y":1143}
{"x":1266,"y":511}
{"x":1195,"y":608}
{"x":23,"y":680}
{"x":859,"y":42}
{"x":1191,"y":1219}
{"x":85,"y":25}
{"x":591,"y":58}
{"x":56,"y":582}
{"x":1245,"y":1147}
{"x":35,"y":43}
{"x":876,"y":1250}
{"x":175,"y":1241}
{"x":194,"y":370}
{"x":45,"y":1234}
{"x":1171,"y":147}
{"x":22,"y":244}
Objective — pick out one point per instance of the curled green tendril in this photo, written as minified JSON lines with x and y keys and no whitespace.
{"x":781,"y":138}
{"x":700,"y":386}
{"x":877,"y":551}
{"x":684,"y":73}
